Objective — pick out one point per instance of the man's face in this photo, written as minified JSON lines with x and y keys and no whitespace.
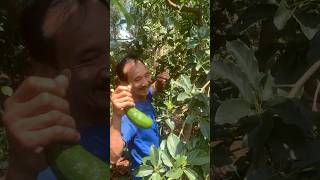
{"x":138,"y":76}
{"x":81,"y":46}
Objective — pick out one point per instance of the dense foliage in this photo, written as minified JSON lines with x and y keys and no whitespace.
{"x":13,"y":59}
{"x":266,"y":88}
{"x":172,"y":35}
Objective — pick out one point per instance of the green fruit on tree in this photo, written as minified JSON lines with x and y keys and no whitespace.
{"x":73,"y":162}
{"x":138,"y":118}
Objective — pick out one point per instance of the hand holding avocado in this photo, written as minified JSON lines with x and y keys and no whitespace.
{"x":123,"y":102}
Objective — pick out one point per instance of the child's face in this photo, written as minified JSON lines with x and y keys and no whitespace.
{"x":81,"y":44}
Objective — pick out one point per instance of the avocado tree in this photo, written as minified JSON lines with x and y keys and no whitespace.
{"x":172,"y":35}
{"x":266,"y":88}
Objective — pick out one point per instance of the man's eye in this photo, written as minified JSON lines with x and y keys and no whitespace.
{"x":89,"y":58}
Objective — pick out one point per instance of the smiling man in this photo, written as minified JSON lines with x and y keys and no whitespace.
{"x":65,"y":98}
{"x":136,"y":90}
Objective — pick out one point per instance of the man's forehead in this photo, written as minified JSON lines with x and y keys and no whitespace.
{"x":132,"y":67}
{"x":57,"y":15}
{"x":84,"y":34}
{"x":71,"y":14}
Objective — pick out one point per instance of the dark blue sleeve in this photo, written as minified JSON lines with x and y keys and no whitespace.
{"x":150,"y":94}
{"x":128,"y":129}
{"x":46,"y":174}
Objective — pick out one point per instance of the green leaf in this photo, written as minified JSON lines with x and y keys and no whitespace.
{"x":170,"y":124}
{"x":124,"y":11}
{"x":205,"y":129}
{"x":6,"y":90}
{"x":267,"y":92}
{"x":144,"y":170}
{"x":183,"y":96}
{"x":174,"y":173}
{"x":234,"y":74}
{"x":198,"y":157}
{"x":145,"y":159}
{"x":189,"y":119}
{"x":259,"y":173}
{"x":222,"y":155}
{"x":179,"y":84}
{"x":232,"y":110}
{"x":156,"y":176}
{"x":186,"y":81}
{"x":174,"y":145}
{"x":308,"y":31}
{"x":181,"y":161}
{"x":154,"y":154}
{"x":282,"y":15}
{"x":163,"y":144}
{"x":165,"y":159}
{"x":168,"y":104}
{"x":246,"y":60}
{"x":252,"y":16}
{"x":191,"y":174}
{"x":259,"y":135}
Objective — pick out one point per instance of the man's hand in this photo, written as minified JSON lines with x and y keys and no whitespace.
{"x":36,"y":115}
{"x":161,"y":80}
{"x":121,"y":98}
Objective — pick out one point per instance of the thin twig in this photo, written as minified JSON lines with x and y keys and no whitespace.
{"x":181,"y":131}
{"x":204,"y":87}
{"x":298,"y":85}
{"x":315,"y":97}
{"x":284,"y":85}
{"x":196,"y":11}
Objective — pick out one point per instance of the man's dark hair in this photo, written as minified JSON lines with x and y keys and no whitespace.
{"x":31,"y":22}
{"x":119,"y":69}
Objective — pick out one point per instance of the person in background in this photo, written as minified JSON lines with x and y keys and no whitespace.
{"x":136,"y":90}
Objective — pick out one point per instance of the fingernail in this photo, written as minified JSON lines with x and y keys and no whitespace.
{"x":67,"y":73}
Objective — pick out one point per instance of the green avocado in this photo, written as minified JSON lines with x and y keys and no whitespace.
{"x":73,"y":162}
{"x":138,"y":118}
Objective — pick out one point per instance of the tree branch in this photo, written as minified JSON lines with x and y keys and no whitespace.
{"x":184,"y":8}
{"x":315,"y":97}
{"x":306,"y":76}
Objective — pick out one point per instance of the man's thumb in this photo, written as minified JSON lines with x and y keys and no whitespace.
{"x":64,"y":78}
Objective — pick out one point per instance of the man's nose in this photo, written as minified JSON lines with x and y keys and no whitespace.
{"x":145,"y":82}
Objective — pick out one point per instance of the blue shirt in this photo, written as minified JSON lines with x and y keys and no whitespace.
{"x":139,"y":140}
{"x":93,"y":139}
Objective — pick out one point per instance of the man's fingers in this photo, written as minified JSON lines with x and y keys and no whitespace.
{"x":124,"y":105}
{"x":124,"y":99}
{"x":121,"y":95}
{"x":46,"y":120}
{"x":62,"y":81}
{"x":52,"y":134}
{"x":163,"y":76}
{"x":35,"y":85}
{"x":42,"y":103}
{"x":122,"y":88}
